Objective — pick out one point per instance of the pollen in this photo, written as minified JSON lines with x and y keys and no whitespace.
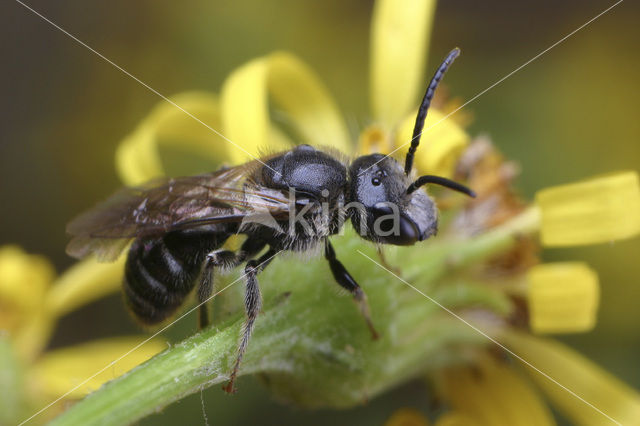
{"x":597,"y":210}
{"x":563,"y":297}
{"x":374,"y":139}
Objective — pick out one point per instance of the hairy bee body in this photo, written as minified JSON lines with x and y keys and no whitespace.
{"x":290,"y":201}
{"x":161,"y":272}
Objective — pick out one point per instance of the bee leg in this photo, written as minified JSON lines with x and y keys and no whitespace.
{"x":224,"y":259}
{"x":344,"y":278}
{"x":204,"y":292}
{"x":252,"y":305}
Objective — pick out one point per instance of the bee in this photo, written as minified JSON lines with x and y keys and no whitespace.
{"x":290,"y":201}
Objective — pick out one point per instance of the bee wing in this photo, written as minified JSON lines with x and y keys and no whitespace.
{"x":164,"y":205}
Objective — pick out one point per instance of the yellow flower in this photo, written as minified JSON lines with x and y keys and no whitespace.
{"x":24,"y":281}
{"x":559,"y":297}
{"x":494,"y":394}
{"x":294,"y":89}
{"x":61,"y":370}
{"x":280,"y":80}
{"x":487,"y":394}
{"x":138,"y":158}
{"x":31,"y":301}
{"x":563,"y":297}
{"x":399,"y":37}
{"x":597,"y":210}
{"x":588,"y":395}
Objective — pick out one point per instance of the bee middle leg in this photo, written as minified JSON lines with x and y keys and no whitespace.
{"x":217,"y":258}
{"x":223,"y":259}
{"x":344,"y":278}
{"x":252,"y":304}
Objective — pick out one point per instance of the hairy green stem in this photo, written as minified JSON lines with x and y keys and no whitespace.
{"x":311,"y":345}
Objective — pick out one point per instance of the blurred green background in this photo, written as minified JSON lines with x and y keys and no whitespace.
{"x":570,"y":114}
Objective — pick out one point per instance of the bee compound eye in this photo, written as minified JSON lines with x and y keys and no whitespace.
{"x":376,"y":181}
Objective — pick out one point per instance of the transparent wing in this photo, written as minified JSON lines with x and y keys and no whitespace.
{"x":164,"y":205}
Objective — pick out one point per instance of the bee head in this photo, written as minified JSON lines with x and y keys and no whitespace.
{"x":389,"y":208}
{"x":382,"y":210}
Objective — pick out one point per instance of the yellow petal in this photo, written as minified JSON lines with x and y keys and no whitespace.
{"x":597,"y":210}
{"x":24,"y":278}
{"x":584,"y":378}
{"x":61,"y":370}
{"x":303,"y":97}
{"x":400,"y":33}
{"x":374,"y":139}
{"x":495,"y":395}
{"x":562,"y":297}
{"x":456,"y":419}
{"x":407,"y":417}
{"x":442,"y":143}
{"x":139,"y":159}
{"x":295,"y":90}
{"x":84,"y":283}
{"x":33,"y":335}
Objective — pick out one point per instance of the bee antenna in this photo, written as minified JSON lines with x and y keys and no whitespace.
{"x":424,"y":107}
{"x":439,"y":180}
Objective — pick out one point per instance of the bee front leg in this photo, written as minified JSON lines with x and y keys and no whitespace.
{"x":344,"y":278}
{"x":252,"y":305}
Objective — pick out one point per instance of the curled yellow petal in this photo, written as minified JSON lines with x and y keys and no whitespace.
{"x":139,"y":156}
{"x":562,"y":297}
{"x":597,"y":210}
{"x":573,"y":371}
{"x":61,"y":370}
{"x":442,"y":143}
{"x":245,"y":109}
{"x":306,"y":101}
{"x":495,"y":395}
{"x":84,"y":283}
{"x":407,"y":417}
{"x":295,"y":90}
{"x":400,"y":32}
{"x":24,"y":280}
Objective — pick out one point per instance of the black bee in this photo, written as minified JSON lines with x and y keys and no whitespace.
{"x":291,"y":201}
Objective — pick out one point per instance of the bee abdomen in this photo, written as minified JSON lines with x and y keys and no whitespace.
{"x":161,"y":272}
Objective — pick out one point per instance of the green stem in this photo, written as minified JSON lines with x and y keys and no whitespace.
{"x":311,"y":345}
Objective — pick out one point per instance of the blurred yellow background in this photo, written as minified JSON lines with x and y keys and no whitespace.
{"x":572,"y":113}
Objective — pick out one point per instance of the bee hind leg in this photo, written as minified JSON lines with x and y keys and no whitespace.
{"x":252,"y":305}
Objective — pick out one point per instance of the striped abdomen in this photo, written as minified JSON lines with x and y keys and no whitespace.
{"x":161,"y":272}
